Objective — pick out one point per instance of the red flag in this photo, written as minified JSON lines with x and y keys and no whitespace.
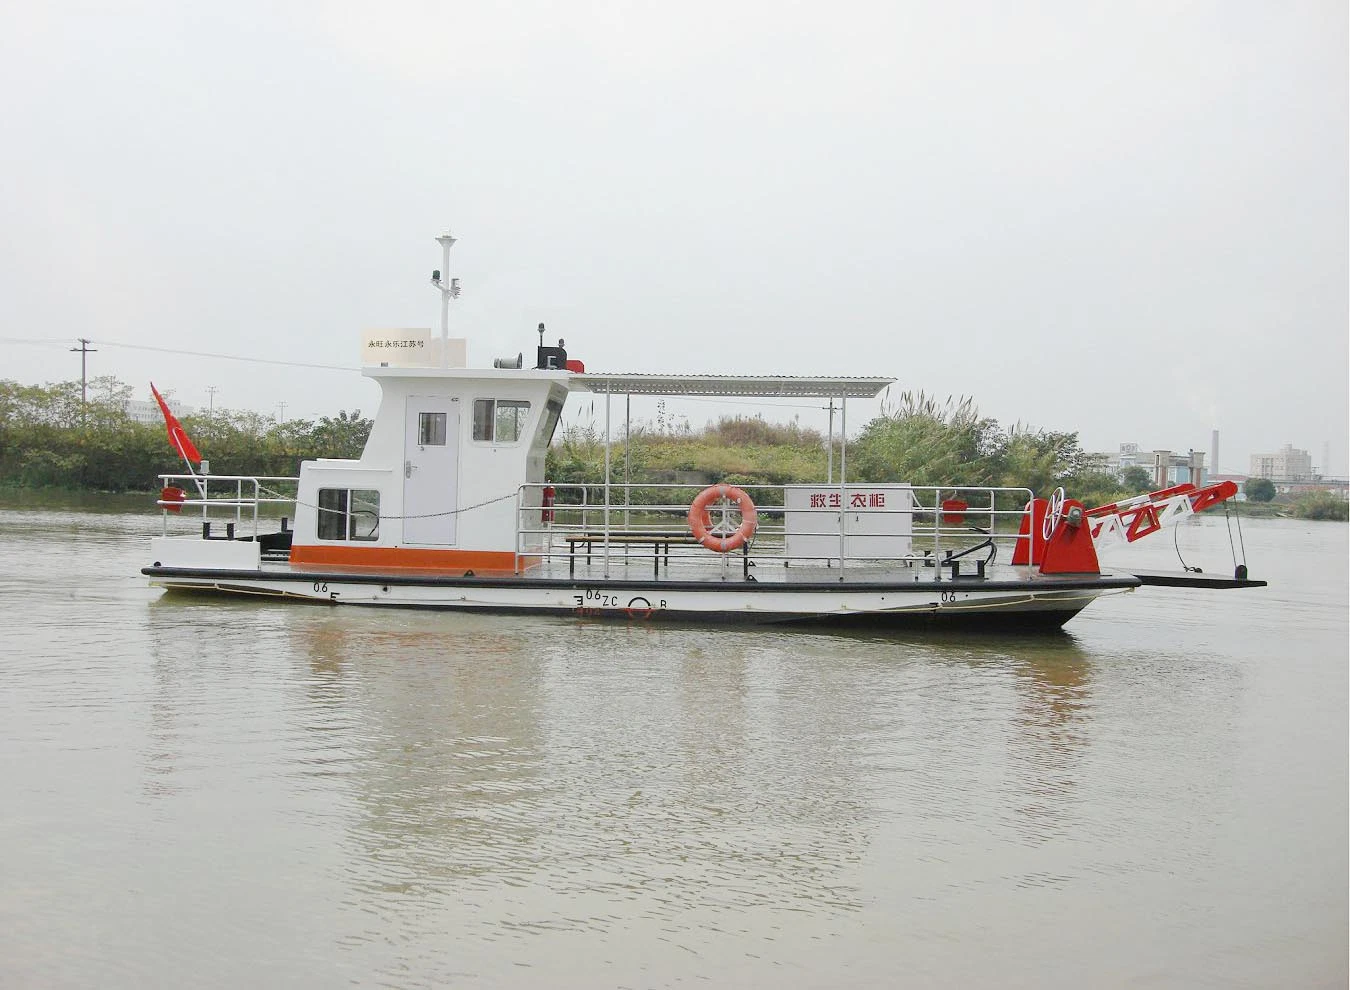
{"x":178,"y":438}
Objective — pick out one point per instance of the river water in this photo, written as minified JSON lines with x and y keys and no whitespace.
{"x":218,"y":793}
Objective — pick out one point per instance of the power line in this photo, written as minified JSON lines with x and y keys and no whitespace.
{"x":227,"y":357}
{"x":175,"y":350}
{"x":338,"y":367}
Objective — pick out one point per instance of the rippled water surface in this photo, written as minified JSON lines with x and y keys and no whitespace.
{"x":218,"y":793}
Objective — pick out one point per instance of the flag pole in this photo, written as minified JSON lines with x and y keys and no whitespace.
{"x":181,"y":442}
{"x":196,"y":480}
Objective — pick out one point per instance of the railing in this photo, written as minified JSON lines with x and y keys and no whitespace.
{"x":243,"y":494}
{"x":823,"y":526}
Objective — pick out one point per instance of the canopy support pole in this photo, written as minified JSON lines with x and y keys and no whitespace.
{"x":608,"y":396}
{"x":843,"y":471}
{"x":829,"y":469}
{"x":627,"y":443}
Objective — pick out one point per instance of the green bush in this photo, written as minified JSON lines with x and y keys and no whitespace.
{"x":49,"y":438}
{"x":1259,"y":489}
{"x":1321,"y":505}
{"x":1136,"y":480}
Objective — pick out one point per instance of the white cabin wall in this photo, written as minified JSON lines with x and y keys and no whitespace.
{"x":485,"y":471}
{"x":336,"y":473}
{"x":535,"y":464}
{"x":384,"y":446}
{"x":489,"y":471}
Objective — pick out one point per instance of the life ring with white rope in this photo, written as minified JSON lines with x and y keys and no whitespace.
{"x":700,"y":518}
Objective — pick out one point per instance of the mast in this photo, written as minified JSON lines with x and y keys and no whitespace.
{"x":449,"y":288}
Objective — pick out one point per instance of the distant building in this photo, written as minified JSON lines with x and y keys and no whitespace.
{"x":1288,"y":464}
{"x":1238,"y":479}
{"x":1165,"y":467}
{"x":147,"y":410}
{"x":1336,"y":486}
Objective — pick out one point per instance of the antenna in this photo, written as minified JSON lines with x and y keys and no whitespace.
{"x":447,"y":293}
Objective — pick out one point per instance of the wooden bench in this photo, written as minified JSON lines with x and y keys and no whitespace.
{"x":659,"y":542}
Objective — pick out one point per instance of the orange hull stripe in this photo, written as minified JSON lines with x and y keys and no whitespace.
{"x":407,"y":557}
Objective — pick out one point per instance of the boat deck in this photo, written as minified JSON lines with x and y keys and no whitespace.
{"x":637,"y":569}
{"x":895,"y":555}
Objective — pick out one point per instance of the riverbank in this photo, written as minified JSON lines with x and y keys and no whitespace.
{"x":68,"y":500}
{"x":1321,"y":506}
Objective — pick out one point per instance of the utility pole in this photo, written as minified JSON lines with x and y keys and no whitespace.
{"x":283,"y":412}
{"x":211,"y":406}
{"x":84,"y":350}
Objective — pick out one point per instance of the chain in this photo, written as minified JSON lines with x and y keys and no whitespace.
{"x":425,"y":515}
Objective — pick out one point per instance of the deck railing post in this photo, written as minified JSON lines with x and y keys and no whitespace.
{"x":843,"y":476}
{"x":937,"y":534}
{"x":520,"y":502}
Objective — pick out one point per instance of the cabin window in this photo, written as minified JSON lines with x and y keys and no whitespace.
{"x":431,"y":429}
{"x":549,"y":424}
{"x":349,"y":514}
{"x":499,"y":420}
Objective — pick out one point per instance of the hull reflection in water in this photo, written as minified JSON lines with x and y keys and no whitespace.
{"x":498,"y":757}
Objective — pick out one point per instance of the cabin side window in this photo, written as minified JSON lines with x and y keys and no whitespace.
{"x":548,"y":424}
{"x":499,"y":420}
{"x":349,"y":514}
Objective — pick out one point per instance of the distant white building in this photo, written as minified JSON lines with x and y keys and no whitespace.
{"x":1286,"y":464}
{"x":1165,"y":467}
{"x":147,"y":410}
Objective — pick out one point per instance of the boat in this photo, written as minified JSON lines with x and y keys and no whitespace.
{"x":448,"y":507}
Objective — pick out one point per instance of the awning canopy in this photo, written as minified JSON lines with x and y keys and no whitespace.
{"x":740,"y":386}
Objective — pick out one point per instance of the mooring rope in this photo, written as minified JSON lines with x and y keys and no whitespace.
{"x":1239,"y":569}
{"x":1176,"y":538}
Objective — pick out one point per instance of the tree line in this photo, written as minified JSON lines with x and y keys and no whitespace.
{"x":917,"y":439}
{"x":50,"y":438}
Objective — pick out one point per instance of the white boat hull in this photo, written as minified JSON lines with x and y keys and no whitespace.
{"x":1023,"y":600}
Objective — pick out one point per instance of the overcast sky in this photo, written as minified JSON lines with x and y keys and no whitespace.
{"x":1128,"y":220}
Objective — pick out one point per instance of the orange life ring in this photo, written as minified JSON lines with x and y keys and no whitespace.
{"x":700,"y":519}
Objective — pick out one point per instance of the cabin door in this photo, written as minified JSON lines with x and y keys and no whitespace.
{"x":430,"y":471}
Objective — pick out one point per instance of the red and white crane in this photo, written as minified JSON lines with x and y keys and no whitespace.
{"x":1133,"y":518}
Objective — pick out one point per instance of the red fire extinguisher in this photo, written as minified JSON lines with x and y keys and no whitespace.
{"x":547,"y":503}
